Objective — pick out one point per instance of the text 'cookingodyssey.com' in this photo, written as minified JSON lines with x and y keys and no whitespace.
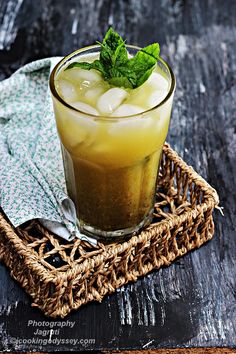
{"x":56,"y":341}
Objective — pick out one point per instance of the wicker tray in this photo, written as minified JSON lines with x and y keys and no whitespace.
{"x":61,"y":276}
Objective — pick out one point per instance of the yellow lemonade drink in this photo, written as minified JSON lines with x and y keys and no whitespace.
{"x":112,"y":139}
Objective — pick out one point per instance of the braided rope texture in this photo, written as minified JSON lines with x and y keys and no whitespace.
{"x":61,"y":276}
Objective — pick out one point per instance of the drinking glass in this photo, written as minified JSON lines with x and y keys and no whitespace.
{"x":111,"y":163}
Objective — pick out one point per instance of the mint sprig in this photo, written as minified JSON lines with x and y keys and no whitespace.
{"x":116,"y":67}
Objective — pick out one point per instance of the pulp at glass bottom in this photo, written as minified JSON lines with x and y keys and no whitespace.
{"x":112,"y":201}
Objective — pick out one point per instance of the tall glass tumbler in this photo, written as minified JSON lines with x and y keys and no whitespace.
{"x":111,"y":163}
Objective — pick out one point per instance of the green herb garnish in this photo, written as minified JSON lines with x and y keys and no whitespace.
{"x":116,"y":67}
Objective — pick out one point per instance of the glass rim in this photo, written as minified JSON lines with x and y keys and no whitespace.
{"x":100,"y":117}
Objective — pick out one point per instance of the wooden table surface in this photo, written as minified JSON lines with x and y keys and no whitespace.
{"x":190,"y":304}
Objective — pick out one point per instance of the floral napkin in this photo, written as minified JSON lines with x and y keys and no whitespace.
{"x":32,"y":182}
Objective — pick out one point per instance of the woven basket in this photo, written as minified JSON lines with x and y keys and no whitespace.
{"x":61,"y":276}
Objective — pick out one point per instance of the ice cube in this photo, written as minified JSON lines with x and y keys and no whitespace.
{"x":157,"y":81}
{"x":111,"y":99}
{"x":94,"y":93}
{"x":156,"y":97}
{"x":130,"y":127}
{"x":77,"y":74}
{"x":127,"y":110}
{"x":77,"y":129}
{"x":67,"y":90}
{"x":73,"y":137}
{"x":84,"y":107}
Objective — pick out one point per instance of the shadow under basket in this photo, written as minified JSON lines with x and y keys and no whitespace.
{"x":61,"y":276}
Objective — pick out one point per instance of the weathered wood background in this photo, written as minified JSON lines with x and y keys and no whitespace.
{"x":191,"y":303}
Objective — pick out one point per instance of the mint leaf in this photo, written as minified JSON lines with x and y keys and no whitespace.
{"x":123,"y":76}
{"x":143,"y":63}
{"x":120,"y":81}
{"x":96,"y":65}
{"x":115,"y":65}
{"x":113,"y":51}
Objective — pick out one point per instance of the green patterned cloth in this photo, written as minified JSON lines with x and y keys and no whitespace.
{"x":32,"y":183}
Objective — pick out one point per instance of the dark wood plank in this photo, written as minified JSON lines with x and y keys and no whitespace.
{"x":165,"y":351}
{"x":178,"y":351}
{"x":192,"y":303}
